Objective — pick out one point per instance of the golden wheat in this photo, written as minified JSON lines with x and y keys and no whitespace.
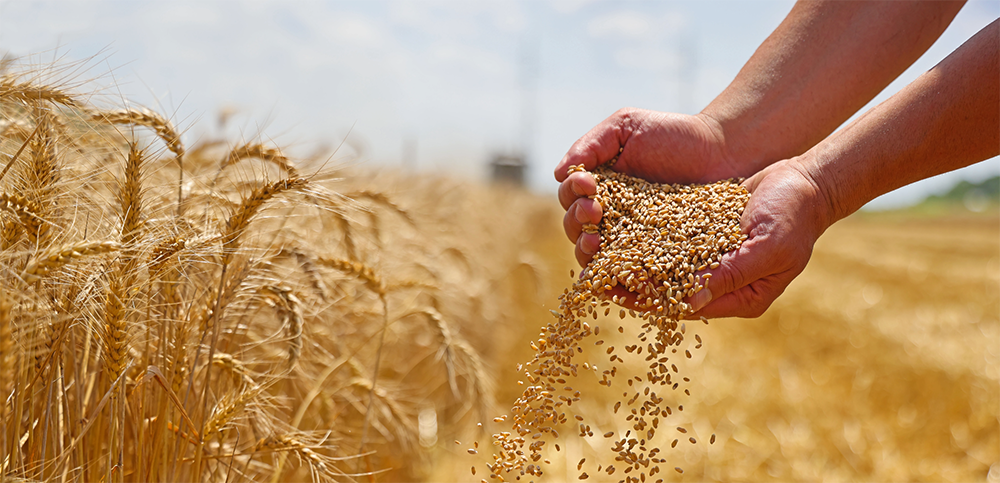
{"x":122,"y":293}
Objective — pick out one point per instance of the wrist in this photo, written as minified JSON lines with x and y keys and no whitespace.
{"x":831,"y":197}
{"x":745,"y":158}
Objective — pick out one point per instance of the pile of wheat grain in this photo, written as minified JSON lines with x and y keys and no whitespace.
{"x":654,"y":239}
{"x":225,"y":312}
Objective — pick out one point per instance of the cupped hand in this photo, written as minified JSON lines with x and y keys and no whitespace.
{"x":786,"y":213}
{"x":656,"y":146}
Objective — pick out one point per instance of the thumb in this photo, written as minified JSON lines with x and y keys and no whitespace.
{"x":600,"y":145}
{"x":728,"y":289}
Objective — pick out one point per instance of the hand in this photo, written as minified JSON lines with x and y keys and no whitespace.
{"x":787,"y":212}
{"x":657,"y":146}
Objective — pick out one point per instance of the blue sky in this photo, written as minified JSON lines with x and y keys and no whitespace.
{"x":444,"y":76}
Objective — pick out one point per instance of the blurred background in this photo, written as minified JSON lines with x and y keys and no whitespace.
{"x":427,"y":85}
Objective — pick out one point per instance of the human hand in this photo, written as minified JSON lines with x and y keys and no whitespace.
{"x":657,"y":146}
{"x":786,"y":213}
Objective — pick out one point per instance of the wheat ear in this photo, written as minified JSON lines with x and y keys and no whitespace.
{"x":29,"y":93}
{"x":130,"y":200}
{"x":163,"y":253}
{"x":234,"y":366}
{"x":360,"y":270}
{"x":237,"y":224}
{"x":286,"y":442}
{"x":41,"y":266}
{"x":384,"y":200}
{"x":270,"y":154}
{"x":290,"y":309}
{"x":227,"y":409}
{"x":144,"y":117}
{"x":114,"y":337}
{"x":164,"y":129}
{"x":26,"y":211}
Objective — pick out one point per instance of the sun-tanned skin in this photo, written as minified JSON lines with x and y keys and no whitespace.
{"x":773,"y":125}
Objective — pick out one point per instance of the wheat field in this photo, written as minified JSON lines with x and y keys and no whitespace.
{"x":225,"y":312}
{"x":879,"y":363}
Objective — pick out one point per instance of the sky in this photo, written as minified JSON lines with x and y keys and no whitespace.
{"x":438,"y":86}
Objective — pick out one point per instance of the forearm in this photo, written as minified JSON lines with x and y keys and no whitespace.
{"x":825,"y":61}
{"x":946,"y":119}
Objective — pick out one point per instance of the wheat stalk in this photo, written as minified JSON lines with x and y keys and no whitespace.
{"x":6,"y":346}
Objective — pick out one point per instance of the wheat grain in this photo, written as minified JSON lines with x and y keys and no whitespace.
{"x":653,"y":240}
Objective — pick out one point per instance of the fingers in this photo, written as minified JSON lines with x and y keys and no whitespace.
{"x":600,"y":145}
{"x":577,"y":185}
{"x":583,"y":211}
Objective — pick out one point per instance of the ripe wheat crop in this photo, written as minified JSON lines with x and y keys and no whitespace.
{"x":227,"y":312}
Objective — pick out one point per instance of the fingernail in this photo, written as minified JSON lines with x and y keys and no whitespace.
{"x":699,"y":300}
{"x":591,"y":247}
{"x":581,"y":216}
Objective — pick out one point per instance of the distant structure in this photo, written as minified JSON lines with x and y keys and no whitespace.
{"x":512,"y":166}
{"x":508,"y":168}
